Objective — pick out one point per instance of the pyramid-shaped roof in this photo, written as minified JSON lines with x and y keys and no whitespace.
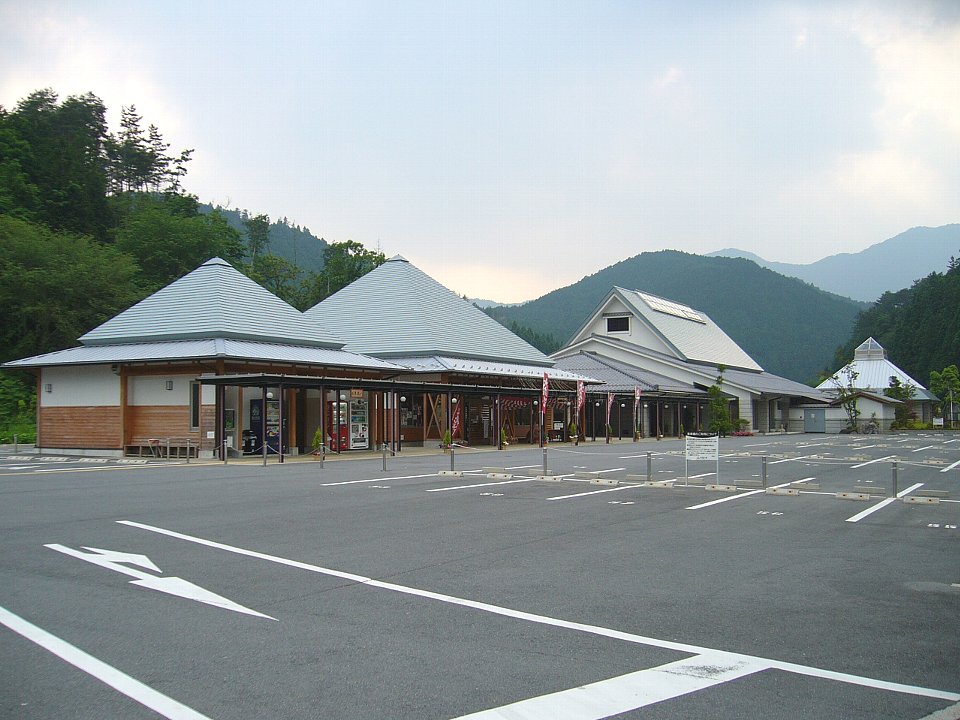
{"x":213,"y":301}
{"x":873,"y":372}
{"x":397,"y":310}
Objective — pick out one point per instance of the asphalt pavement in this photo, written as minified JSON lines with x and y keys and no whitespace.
{"x":791,"y":576}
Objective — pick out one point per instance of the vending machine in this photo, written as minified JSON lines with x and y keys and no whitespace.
{"x":272,"y":415}
{"x":359,"y":424}
{"x":338,"y":427}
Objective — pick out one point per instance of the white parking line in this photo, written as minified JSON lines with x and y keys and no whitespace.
{"x":467,"y":487}
{"x":119,"y":681}
{"x":871,"y":462}
{"x":925,"y":447}
{"x":802,"y":457}
{"x":742,"y":495}
{"x":628,"y":692}
{"x":951,"y":467}
{"x":882,"y":504}
{"x":557,"y":622}
{"x":377,"y":480}
{"x":592,"y":492}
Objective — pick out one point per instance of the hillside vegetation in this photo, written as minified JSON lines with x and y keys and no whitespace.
{"x":919,"y":326}
{"x":789,"y":327}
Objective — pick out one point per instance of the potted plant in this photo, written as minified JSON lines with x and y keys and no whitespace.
{"x":318,"y":443}
{"x":447,"y":441}
{"x":574,"y":434}
{"x":503,"y":436}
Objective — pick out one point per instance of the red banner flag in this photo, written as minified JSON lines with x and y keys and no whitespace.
{"x":581,"y":396}
{"x":610,"y":400}
{"x":546,"y":391}
{"x":457,"y":415}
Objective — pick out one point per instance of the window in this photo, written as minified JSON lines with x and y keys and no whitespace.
{"x":618,"y":324}
{"x":194,"y":406}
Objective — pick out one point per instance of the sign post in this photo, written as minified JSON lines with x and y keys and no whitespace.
{"x":702,"y":447}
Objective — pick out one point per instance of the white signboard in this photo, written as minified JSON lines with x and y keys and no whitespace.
{"x":703,"y":448}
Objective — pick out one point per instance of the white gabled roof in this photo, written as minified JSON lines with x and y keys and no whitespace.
{"x":397,"y":310}
{"x":215,"y":300}
{"x":691,"y":333}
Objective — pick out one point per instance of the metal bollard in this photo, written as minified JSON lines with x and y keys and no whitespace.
{"x":451,"y":458}
{"x":649,"y":467}
{"x":894,"y":478}
{"x":544,"y":461}
{"x":16,"y":443}
{"x":224,"y":451}
{"x":188,"y":451}
{"x":384,"y":446}
{"x":763,"y":472}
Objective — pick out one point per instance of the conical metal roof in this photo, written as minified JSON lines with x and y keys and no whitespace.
{"x":397,"y":310}
{"x":213,"y":301}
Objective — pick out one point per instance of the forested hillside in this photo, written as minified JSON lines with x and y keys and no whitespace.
{"x":791,"y":328}
{"x":919,"y":326}
{"x":287,"y":240}
{"x":93,"y":221}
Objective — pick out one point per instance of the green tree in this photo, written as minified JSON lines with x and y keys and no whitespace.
{"x":720,"y":421}
{"x":258,"y":234}
{"x":167,"y":245}
{"x":903,"y":392}
{"x":343,"y":262}
{"x":946,"y":386}
{"x":279,"y":276}
{"x":64,"y":160}
{"x":847,"y":393}
{"x":56,"y":286}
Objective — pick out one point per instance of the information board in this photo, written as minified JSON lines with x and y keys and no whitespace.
{"x":703,"y":447}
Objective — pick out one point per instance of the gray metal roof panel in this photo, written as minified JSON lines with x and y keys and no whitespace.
{"x":700,"y":340}
{"x":435,"y":363}
{"x":621,"y":377}
{"x":179,"y":350}
{"x":215,"y":300}
{"x":398,"y":310}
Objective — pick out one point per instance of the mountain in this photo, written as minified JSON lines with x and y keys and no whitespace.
{"x":290,"y":242}
{"x":790,"y":327}
{"x":887,"y":266}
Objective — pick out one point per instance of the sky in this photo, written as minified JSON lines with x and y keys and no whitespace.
{"x":511,"y":148}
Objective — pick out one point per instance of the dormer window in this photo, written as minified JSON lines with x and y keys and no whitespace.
{"x":619,"y":324}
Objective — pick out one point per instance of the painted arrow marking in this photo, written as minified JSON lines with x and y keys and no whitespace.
{"x":118,"y":561}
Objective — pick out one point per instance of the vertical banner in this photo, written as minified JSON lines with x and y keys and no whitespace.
{"x":581,"y":401}
{"x":545,"y":395}
{"x":610,"y":401}
{"x":636,"y":410}
{"x":457,"y":418}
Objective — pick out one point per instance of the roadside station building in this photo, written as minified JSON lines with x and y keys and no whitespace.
{"x":672,"y":353}
{"x":873,"y":370}
{"x":213,"y":363}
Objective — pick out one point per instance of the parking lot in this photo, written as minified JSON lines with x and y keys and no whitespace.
{"x":798,"y":576}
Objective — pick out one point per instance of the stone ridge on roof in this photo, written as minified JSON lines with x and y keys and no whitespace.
{"x":398,"y":310}
{"x":214,"y":300}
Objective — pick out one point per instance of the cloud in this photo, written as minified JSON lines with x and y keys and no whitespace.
{"x":672,"y":76}
{"x":917,"y":123}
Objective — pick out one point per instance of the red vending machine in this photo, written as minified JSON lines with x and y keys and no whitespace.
{"x":338,"y":426}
